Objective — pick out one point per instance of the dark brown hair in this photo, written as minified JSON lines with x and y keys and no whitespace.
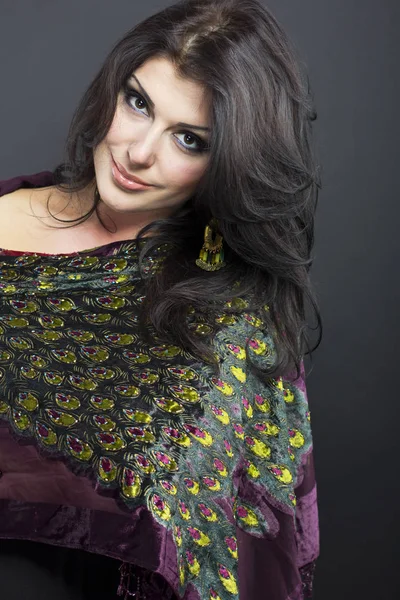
{"x":261,"y":182}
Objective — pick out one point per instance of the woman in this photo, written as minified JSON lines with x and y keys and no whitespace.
{"x":154,"y":412}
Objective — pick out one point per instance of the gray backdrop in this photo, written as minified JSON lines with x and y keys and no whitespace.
{"x":50,"y":49}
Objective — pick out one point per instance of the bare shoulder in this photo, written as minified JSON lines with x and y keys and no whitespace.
{"x":11,"y":206}
{"x":18,"y":210}
{"x":27,"y":223}
{"x":20,"y":200}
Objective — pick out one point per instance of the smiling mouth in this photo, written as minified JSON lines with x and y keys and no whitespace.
{"x":129,"y":177}
{"x":127,"y":184}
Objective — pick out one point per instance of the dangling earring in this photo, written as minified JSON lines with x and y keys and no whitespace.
{"x":211,"y":257}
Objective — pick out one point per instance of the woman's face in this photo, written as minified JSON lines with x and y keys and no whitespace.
{"x":148,"y":143}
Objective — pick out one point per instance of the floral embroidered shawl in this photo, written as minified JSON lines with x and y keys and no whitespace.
{"x":137,"y":451}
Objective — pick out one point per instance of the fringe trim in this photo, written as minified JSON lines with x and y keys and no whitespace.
{"x":307,"y":579}
{"x":125,"y":585}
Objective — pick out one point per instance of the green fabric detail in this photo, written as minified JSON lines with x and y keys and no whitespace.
{"x":149,"y":421}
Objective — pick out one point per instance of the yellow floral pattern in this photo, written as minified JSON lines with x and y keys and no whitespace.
{"x":148,"y":421}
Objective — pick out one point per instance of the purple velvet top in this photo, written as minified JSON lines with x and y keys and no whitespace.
{"x":203,"y":486}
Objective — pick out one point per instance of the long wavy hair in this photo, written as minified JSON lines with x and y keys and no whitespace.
{"x":261,"y":183}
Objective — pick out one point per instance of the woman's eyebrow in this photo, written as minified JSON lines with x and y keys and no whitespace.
{"x":151,"y":103}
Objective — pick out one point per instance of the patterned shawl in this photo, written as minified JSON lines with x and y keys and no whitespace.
{"x":208,"y":482}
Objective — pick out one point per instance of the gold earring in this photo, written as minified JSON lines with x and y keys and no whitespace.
{"x":211,"y":257}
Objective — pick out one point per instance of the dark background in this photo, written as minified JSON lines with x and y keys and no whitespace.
{"x":49,"y":51}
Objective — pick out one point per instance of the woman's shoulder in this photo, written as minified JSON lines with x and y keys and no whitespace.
{"x":11,"y":217}
{"x":16,"y":223}
{"x":16,"y":194}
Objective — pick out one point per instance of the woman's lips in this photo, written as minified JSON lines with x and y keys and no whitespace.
{"x":126,"y":183}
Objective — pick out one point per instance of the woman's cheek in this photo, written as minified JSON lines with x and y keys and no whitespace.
{"x":187,"y":173}
{"x":120,"y":128}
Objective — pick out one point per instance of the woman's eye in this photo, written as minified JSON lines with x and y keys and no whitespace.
{"x":201,"y":146}
{"x":137,"y":103}
{"x":131,"y":94}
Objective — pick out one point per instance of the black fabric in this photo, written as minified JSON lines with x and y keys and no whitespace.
{"x":34,"y":571}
